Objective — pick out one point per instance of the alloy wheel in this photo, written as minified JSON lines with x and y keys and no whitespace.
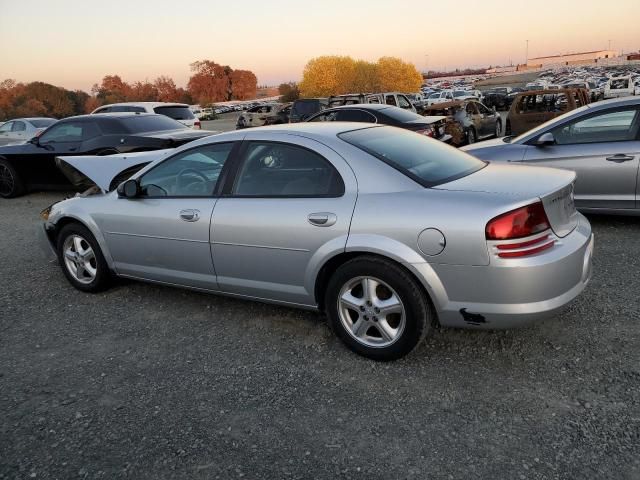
{"x":371,"y":311}
{"x":498,"y":129}
{"x":471,"y":136}
{"x":80,"y":259}
{"x":7,"y":182}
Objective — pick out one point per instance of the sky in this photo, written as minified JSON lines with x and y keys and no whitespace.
{"x":74,"y":43}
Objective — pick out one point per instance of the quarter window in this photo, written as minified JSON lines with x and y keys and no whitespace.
{"x":616,"y":126}
{"x":193,"y":173}
{"x":284,"y":170}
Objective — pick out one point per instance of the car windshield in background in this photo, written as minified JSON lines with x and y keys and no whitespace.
{"x":175,"y":112}
{"x":459,"y":93}
{"x":150,"y":123}
{"x":42,"y":122}
{"x":427,"y":161}
{"x":305,"y":108}
{"x":402,"y":116}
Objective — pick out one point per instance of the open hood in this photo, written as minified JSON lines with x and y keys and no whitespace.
{"x":85,"y":171}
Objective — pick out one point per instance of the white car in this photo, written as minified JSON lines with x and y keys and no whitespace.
{"x":180,"y":112}
{"x":440,"y":97}
{"x":619,"y":87}
{"x":20,"y":130}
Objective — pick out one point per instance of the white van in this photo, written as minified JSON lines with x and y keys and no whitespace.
{"x":619,"y":87}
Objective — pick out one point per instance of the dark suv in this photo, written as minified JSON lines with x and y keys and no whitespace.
{"x":303,"y":108}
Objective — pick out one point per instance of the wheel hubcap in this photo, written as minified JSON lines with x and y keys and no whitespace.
{"x":80,"y":259}
{"x":371,"y":311}
{"x":6,"y":180}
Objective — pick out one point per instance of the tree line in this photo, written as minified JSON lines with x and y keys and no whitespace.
{"x":209,"y":83}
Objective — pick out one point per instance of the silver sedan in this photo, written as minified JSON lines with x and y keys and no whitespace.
{"x":600,"y":142}
{"x":20,"y":130}
{"x":385,"y":230}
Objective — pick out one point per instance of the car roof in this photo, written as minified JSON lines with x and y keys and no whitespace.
{"x":146,"y":104}
{"x":28,"y":119}
{"x":361,"y":106}
{"x":112,"y":115}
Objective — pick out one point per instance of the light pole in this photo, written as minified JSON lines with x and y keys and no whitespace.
{"x":426,"y":63}
{"x":526,"y":55}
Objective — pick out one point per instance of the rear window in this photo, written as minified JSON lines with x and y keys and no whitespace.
{"x":175,"y":112}
{"x":42,"y":122}
{"x":402,"y":116}
{"x":150,"y":123}
{"x":425,"y":160}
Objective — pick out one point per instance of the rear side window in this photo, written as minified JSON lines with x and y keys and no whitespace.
{"x":390,"y":100}
{"x":608,"y":126}
{"x":427,"y":161}
{"x":70,"y":132}
{"x":18,"y":127}
{"x":150,"y":123}
{"x":285,"y":170}
{"x":175,"y":112}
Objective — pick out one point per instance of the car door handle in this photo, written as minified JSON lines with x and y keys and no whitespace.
{"x":322,"y":219}
{"x":620,"y":157}
{"x":190,"y":215}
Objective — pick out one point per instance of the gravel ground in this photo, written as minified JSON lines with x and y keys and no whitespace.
{"x":149,"y":382}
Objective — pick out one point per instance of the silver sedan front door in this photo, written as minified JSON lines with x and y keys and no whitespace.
{"x":163,"y":233}
{"x":604,"y":150}
{"x":290,"y":205}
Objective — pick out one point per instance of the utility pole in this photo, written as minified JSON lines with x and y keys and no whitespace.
{"x":526,"y":55}
{"x":426,"y":63}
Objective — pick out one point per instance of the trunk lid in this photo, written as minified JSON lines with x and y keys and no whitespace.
{"x":554,"y":187}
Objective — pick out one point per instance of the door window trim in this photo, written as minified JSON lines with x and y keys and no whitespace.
{"x":533,"y":140}
{"x":234,"y":173}
{"x":217,"y":189}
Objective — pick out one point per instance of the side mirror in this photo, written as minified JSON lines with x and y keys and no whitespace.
{"x":129,"y":189}
{"x":35,"y":140}
{"x":545,"y":139}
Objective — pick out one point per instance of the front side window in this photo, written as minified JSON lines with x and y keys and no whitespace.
{"x":18,"y":127}
{"x":390,"y":100}
{"x":427,"y":161}
{"x":70,"y":132}
{"x":403,"y":102}
{"x":616,"y":126}
{"x":6,"y":127}
{"x":285,"y":170}
{"x":193,"y":173}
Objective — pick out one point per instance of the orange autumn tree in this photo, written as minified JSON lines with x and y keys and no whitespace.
{"x":335,"y":75}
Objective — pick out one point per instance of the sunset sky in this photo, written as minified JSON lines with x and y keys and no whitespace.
{"x":74,"y":43}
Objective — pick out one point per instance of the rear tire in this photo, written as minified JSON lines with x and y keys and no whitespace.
{"x":471,"y":136}
{"x":11,"y":184}
{"x":508,"y":129}
{"x":81,"y":259}
{"x":377,"y":308}
{"x":498,"y":130}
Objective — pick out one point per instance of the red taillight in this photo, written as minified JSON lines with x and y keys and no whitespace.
{"x":523,"y":222}
{"x":197,"y":125}
{"x":519,"y":223}
{"x":426,"y":131}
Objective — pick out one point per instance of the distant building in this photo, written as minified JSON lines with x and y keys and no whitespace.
{"x":571,"y":58}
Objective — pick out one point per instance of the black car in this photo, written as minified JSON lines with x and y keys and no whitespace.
{"x":31,"y":166}
{"x":385,"y":115}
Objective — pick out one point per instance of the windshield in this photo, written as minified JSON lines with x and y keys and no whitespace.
{"x":150,"y":123}
{"x":42,"y":122}
{"x":176,"y":112}
{"x":459,"y":93}
{"x":305,"y":107}
{"x":435,"y":95}
{"x":425,"y":160}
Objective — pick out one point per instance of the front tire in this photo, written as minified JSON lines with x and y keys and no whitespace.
{"x":81,"y":259}
{"x":11,"y":184}
{"x":471,"y":136}
{"x":377,"y":308}
{"x":498,"y":130}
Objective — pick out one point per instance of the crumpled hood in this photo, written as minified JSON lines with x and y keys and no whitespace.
{"x":102,"y":169}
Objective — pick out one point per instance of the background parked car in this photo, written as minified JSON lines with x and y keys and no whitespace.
{"x":432,"y":126}
{"x":471,"y":121}
{"x":619,"y":87}
{"x":31,"y":166}
{"x":261,"y":115}
{"x":532,"y":108}
{"x":395,"y":99}
{"x":178,"y":111}
{"x":303,"y":108}
{"x":440,"y":97}
{"x":600,"y":142}
{"x":22,"y":129}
